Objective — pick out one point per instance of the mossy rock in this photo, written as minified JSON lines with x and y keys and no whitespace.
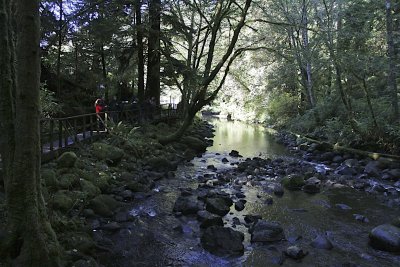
{"x":100,"y":179}
{"x":135,"y":186}
{"x":104,"y":205}
{"x":79,"y":241}
{"x":87,"y":262}
{"x":67,"y":160}
{"x":62,"y":201}
{"x":89,"y":188}
{"x":293,"y":182}
{"x":67,"y":181}
{"x":194,"y":143}
{"x":159,"y":164}
{"x":49,"y":177}
{"x":107,"y":152}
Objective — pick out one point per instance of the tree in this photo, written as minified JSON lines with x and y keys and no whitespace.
{"x":203,"y":43}
{"x":392,"y":84}
{"x":31,"y":240}
{"x":153,"y":66}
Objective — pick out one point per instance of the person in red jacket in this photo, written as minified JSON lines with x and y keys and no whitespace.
{"x":100,"y":112}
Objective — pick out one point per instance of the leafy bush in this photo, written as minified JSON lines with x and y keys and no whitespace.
{"x":48,"y":102}
{"x":281,"y":108}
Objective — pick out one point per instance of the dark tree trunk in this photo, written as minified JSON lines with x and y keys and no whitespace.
{"x":153,"y":66}
{"x":140,"y":53}
{"x":392,"y":84}
{"x":59,"y":33}
{"x":31,"y":240}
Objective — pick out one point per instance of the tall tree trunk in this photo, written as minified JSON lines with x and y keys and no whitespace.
{"x":153,"y":66}
{"x":140,"y":53}
{"x":59,"y":48}
{"x":307,"y":51}
{"x":31,"y":240}
{"x":392,"y":84}
{"x":104,"y":72}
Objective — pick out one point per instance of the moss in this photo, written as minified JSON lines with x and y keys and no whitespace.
{"x":67,"y":181}
{"x":62,"y":201}
{"x":49,"y":176}
{"x":67,"y":160}
{"x":89,"y":188}
{"x":104,"y":205}
{"x":293,"y":182}
{"x":104,"y":151}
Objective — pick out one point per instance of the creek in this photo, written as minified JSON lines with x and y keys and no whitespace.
{"x":165,"y":239}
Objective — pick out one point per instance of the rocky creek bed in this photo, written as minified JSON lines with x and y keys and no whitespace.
{"x":129,"y":201}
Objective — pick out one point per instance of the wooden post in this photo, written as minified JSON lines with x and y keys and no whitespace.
{"x":84,"y":128}
{"x":75,"y":130}
{"x":51,"y":134}
{"x":60,"y":134}
{"x":65,"y":134}
{"x":91,"y":125}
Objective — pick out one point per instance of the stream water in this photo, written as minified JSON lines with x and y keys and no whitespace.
{"x":168,"y":240}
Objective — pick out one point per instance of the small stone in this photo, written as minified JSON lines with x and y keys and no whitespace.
{"x":343,"y":206}
{"x":239,"y":205}
{"x":322,"y":242}
{"x":295,"y":252}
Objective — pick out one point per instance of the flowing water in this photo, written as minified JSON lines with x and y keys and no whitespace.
{"x":302,"y":216}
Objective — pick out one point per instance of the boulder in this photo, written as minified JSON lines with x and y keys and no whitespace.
{"x":160,"y":164}
{"x":295,"y":252}
{"x":293,"y":182}
{"x":208,"y":219}
{"x":373,"y":168}
{"x":89,"y":188}
{"x":385,"y":237}
{"x":219,"y":205}
{"x":312,"y":185}
{"x":187,"y":205}
{"x":322,"y":242}
{"x":62,"y":201}
{"x":67,"y":181}
{"x":67,"y":160}
{"x":239,"y":205}
{"x":394,"y":174}
{"x":223,"y":241}
{"x":104,"y":205}
{"x":266,"y":231}
{"x":194,"y":143}
{"x":107,"y":152}
{"x":234,"y":153}
{"x":49,"y":177}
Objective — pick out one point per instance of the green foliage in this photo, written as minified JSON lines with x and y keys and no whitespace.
{"x":281,"y":108}
{"x":48,"y":102}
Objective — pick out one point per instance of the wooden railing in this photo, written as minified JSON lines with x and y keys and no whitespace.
{"x":59,"y":133}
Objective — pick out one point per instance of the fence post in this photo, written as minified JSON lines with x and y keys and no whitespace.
{"x":91,"y":125}
{"x":60,"y":134}
{"x":84,"y":127}
{"x":75,"y":131}
{"x":51,"y":134}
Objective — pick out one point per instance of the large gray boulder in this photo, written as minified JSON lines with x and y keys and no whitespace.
{"x":266,"y":231}
{"x":223,"y":241}
{"x":385,"y":237}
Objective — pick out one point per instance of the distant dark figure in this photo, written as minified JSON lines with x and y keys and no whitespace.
{"x":229,"y":117}
{"x":115,"y":108}
{"x":100,"y":112}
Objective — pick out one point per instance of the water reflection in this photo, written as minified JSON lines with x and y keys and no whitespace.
{"x":249,"y":139}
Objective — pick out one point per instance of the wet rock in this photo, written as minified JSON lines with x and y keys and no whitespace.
{"x":266,"y":231}
{"x":225,"y":160}
{"x":136,"y":186}
{"x":277,"y":189}
{"x":223,"y":241}
{"x":112,"y":227}
{"x":394,"y":174}
{"x":385,"y":237}
{"x":360,"y":218}
{"x":295,"y":252}
{"x":346,"y":170}
{"x":67,"y":160}
{"x":208,"y":219}
{"x":293,"y":182}
{"x":269,"y":201}
{"x":342,"y":206}
{"x":252,"y":218}
{"x":211,"y":167}
{"x":127,"y":194}
{"x":89,"y":262}
{"x":234,"y":154}
{"x":186,"y":205}
{"x":373,"y":168}
{"x":239,"y":205}
{"x":322,"y":242}
{"x":218,"y":205}
{"x":240,"y":195}
{"x":312,"y":185}
{"x":121,"y":217}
